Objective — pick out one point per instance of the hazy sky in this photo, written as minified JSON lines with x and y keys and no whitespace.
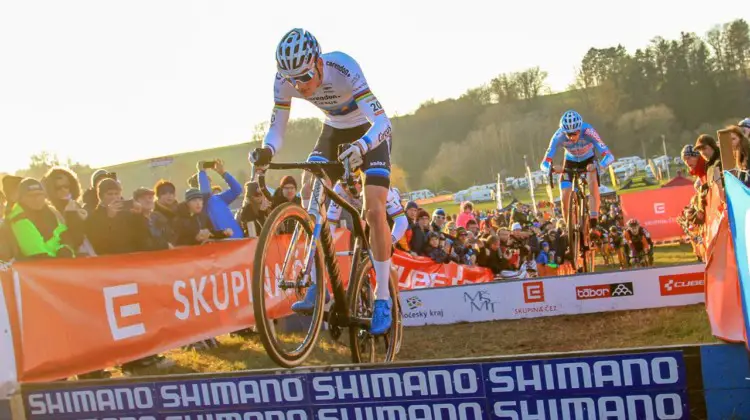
{"x":107,"y":82}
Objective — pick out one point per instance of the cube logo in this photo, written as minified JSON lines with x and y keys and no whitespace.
{"x":602,"y":291}
{"x":681,"y":284}
{"x":533,"y":292}
{"x":660,"y":208}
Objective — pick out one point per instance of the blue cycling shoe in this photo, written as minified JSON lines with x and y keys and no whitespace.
{"x":381,"y":317}
{"x":306,"y":306}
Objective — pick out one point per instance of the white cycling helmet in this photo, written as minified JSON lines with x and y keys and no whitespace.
{"x":297,"y":52}
{"x":571,"y":121}
{"x":744,"y":123}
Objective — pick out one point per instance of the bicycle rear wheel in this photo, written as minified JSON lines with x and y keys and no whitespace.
{"x":361,"y":295}
{"x":574,"y":233}
{"x":278,"y":282}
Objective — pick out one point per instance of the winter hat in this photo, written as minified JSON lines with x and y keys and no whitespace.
{"x":96,"y":176}
{"x":411,"y":205}
{"x":192,"y":194}
{"x":287,"y":180}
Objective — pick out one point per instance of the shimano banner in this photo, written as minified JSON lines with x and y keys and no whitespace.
{"x":637,"y":385}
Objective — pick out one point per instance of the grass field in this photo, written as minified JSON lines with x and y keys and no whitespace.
{"x":654,"y":327}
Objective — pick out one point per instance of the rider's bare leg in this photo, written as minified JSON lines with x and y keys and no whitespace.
{"x":594,"y":199}
{"x":380,"y":237}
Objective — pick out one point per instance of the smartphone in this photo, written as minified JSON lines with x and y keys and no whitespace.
{"x":209,"y":164}
{"x":127,"y":204}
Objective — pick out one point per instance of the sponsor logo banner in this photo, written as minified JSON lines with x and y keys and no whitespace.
{"x":602,"y":291}
{"x":639,"y":385}
{"x":682,"y":284}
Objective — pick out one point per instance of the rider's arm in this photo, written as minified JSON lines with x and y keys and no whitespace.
{"x":606,"y":156}
{"x":282,"y":103}
{"x":380,"y":130}
{"x":554,"y":143}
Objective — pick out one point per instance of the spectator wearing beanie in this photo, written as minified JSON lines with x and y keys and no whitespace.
{"x":108,"y":227}
{"x":418,"y":244}
{"x":192,"y":225}
{"x":39,"y":229}
{"x":90,"y":197}
{"x":286,"y":192}
{"x":411,"y":217}
{"x":217,"y":204}
{"x":696,"y":165}
{"x":166,"y":199}
{"x":255,"y":209}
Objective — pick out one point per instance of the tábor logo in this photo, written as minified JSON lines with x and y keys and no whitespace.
{"x":681,"y":284}
{"x":533,"y":292}
{"x":602,"y":291}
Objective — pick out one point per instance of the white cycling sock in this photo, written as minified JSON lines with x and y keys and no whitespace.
{"x":382,"y":277}
{"x":305,"y":203}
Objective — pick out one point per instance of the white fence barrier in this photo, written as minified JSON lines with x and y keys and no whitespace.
{"x":567,"y":295}
{"x":7,"y":355}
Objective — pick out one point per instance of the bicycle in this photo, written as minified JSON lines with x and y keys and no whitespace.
{"x":351,"y":307}
{"x":577,"y":220}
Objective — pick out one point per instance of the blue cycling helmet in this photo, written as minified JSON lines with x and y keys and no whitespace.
{"x":744,"y":123}
{"x":571,"y":121}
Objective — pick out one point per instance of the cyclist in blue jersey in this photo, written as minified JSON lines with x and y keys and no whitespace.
{"x":581,"y":142}
{"x":745,"y":126}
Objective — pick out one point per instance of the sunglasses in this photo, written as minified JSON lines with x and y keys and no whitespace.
{"x":302,"y":78}
{"x":573,"y":134}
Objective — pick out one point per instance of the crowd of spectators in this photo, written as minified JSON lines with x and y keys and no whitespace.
{"x":498,"y":240}
{"x":704,"y":162}
{"x":54,"y":217}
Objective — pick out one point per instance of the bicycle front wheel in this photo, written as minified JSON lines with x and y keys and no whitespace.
{"x":280,"y":279}
{"x":365,"y":347}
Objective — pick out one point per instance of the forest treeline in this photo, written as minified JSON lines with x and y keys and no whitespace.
{"x":674,"y":88}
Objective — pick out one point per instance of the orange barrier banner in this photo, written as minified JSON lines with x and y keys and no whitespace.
{"x":421,"y":272}
{"x":73,"y":316}
{"x":657,"y":210}
{"x":723,"y":304}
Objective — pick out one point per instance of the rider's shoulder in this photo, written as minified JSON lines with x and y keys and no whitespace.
{"x":341,"y":62}
{"x":587,"y":128}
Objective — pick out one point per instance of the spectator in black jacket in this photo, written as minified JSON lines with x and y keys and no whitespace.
{"x":418,"y":241}
{"x":255,"y":209}
{"x":90,"y":196}
{"x":152,"y":230}
{"x":192,"y":225}
{"x":166,"y":199}
{"x":109,"y":226}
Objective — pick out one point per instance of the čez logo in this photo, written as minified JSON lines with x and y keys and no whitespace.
{"x":480,"y":301}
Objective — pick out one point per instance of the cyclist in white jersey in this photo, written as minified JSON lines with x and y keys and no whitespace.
{"x":394,"y":211}
{"x":354,"y":117}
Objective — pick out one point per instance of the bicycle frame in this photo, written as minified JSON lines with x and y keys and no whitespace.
{"x":316,"y":209}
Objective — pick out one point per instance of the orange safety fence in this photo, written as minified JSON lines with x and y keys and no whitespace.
{"x":71,"y":316}
{"x":723,"y":304}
